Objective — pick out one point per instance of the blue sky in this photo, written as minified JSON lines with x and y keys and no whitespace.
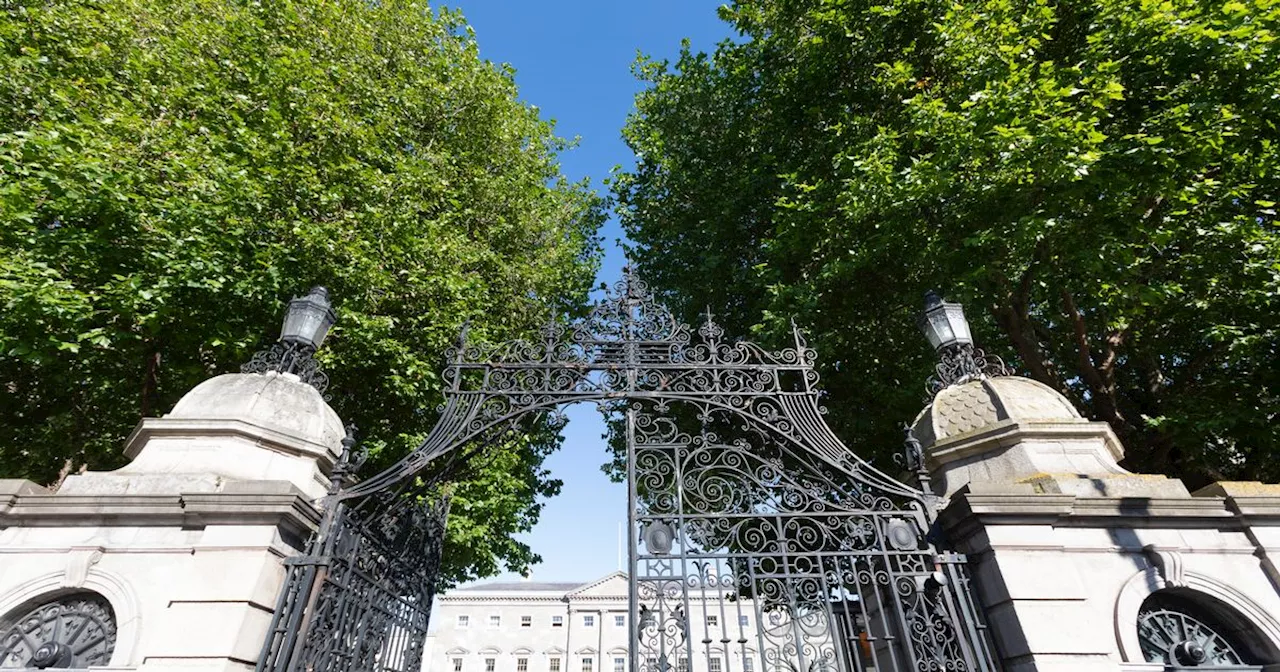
{"x":572,"y":59}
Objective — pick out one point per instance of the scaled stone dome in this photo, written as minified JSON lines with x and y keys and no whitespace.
{"x":279,"y":402}
{"x":960,"y":409}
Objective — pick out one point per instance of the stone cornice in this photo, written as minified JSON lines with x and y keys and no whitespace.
{"x":186,"y":428}
{"x":1262,"y":507}
{"x":968,"y":511}
{"x":495,"y":599}
{"x":1012,"y":432}
{"x":242,"y":505}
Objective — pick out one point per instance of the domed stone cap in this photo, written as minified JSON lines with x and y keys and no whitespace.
{"x":960,"y":409}
{"x":274,"y":401}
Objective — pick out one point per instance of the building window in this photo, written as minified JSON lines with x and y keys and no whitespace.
{"x":619,"y":664}
{"x":555,"y":665}
{"x":490,"y":664}
{"x":586,"y":664}
{"x":457,"y":665}
{"x":495,"y":620}
{"x":682,"y":665}
{"x":713,"y":620}
{"x":744,"y":621}
{"x":620,"y":620}
{"x":557,"y":621}
{"x":522,"y":665}
{"x":464,"y":620}
{"x":526,"y":621}
{"x":651,"y":664}
{"x":748,"y":663}
{"x":589,"y":621}
{"x":713,"y":664}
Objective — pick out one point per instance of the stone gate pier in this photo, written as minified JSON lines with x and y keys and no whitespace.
{"x":173,"y":562}
{"x":1083,"y":566}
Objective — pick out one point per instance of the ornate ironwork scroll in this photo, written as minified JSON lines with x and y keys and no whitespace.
{"x":631,"y":347}
{"x":746,"y":510}
{"x":962,"y":363}
{"x":294,"y":358}
{"x":747,"y":559}
{"x":360,"y":597}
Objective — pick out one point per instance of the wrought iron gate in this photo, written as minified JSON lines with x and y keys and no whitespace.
{"x":759,"y":542}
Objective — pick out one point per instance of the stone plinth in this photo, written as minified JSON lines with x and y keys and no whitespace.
{"x":1066,"y":547}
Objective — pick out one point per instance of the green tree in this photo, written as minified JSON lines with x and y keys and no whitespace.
{"x":1097,"y":181}
{"x":172,"y":170}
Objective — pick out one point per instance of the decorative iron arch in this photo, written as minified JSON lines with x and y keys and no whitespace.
{"x":630,"y":347}
{"x":746,"y":504}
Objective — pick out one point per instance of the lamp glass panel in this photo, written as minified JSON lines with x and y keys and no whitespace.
{"x":959,"y":325}
{"x":939,"y":332}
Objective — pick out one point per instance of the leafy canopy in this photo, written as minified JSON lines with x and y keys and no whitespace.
{"x":1096,"y":181}
{"x":172,"y":170}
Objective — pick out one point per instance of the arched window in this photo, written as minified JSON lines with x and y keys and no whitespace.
{"x":1178,"y":630}
{"x":76,"y":630}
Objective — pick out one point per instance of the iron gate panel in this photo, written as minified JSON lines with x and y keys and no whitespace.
{"x":741,"y":501}
{"x":800,"y":570}
{"x":360,"y":598}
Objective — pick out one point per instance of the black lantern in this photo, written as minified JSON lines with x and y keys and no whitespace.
{"x":948,"y":332}
{"x":308,"y":319}
{"x":306,"y":323}
{"x":943,"y":323}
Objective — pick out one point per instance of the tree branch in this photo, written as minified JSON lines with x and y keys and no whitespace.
{"x":1099,"y":378}
{"x":1013,"y":316}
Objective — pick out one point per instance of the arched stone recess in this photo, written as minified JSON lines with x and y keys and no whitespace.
{"x":1263,"y":633}
{"x":522,"y":651}
{"x":87,"y":578}
{"x":490,"y":651}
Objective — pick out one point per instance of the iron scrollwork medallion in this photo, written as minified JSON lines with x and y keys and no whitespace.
{"x":1170,"y":633}
{"x":74,"y":631}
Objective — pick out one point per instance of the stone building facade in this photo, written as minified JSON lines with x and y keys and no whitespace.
{"x":568,"y":627}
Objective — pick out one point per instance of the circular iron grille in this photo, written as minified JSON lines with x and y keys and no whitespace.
{"x":71,"y":631}
{"x":1174,"y":633}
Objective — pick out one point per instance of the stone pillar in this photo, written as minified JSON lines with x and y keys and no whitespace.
{"x":186,"y":544}
{"x":1066,"y":547}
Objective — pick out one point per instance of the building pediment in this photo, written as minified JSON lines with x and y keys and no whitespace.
{"x":609,"y":586}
